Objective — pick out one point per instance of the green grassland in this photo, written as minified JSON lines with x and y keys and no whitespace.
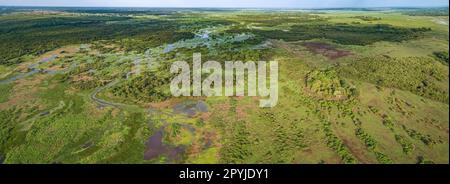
{"x":354,"y":87}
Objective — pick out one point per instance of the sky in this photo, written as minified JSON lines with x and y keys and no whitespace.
{"x":230,"y":3}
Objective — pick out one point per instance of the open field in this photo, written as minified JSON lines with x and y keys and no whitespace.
{"x":92,"y":86}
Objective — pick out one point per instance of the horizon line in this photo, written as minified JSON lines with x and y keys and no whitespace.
{"x":230,"y":7}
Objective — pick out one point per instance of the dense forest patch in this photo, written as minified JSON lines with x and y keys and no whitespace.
{"x":37,"y":34}
{"x":420,"y":75}
{"x":149,"y":87}
{"x":342,"y":33}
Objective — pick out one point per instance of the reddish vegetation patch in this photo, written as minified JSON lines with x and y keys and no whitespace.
{"x":82,"y":78}
{"x":355,"y":147}
{"x":23,"y":92}
{"x":194,"y":149}
{"x":163,"y":104}
{"x":208,"y":139}
{"x":241,"y":111}
{"x":326,"y":50}
{"x":205,"y":116}
{"x":55,"y":68}
{"x":224,"y":107}
{"x":169,"y":103}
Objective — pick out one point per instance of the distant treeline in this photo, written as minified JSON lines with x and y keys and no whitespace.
{"x":34,"y":34}
{"x":427,"y":12}
{"x":341,"y":33}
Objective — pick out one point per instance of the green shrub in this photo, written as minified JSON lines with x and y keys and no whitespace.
{"x":236,"y":149}
{"x":370,"y":143}
{"x":367,"y":18}
{"x":336,"y":144}
{"x":441,"y":56}
{"x":9,"y":134}
{"x":422,"y":160}
{"x":383,"y":159}
{"x":407,"y":146}
{"x":5,"y":91}
{"x":426,"y":139}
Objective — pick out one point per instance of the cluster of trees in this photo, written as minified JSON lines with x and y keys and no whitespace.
{"x":237,"y":51}
{"x":371,"y":145}
{"x":441,"y":56}
{"x":178,"y":134}
{"x":336,"y":144}
{"x":333,"y":142}
{"x":13,"y":61}
{"x":387,"y":122}
{"x":288,"y":138}
{"x":142,"y":43}
{"x":280,"y":145}
{"x":422,"y":160}
{"x":151,"y":86}
{"x":420,"y":75}
{"x":243,"y":55}
{"x":407,"y":146}
{"x":370,"y":142}
{"x":88,"y":84}
{"x":367,"y":18}
{"x":382,"y":158}
{"x":236,"y":149}
{"x":426,"y":139}
{"x":88,"y":75}
{"x":327,"y":85}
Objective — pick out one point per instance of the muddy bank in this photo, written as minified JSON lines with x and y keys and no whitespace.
{"x":326,"y":50}
{"x":19,"y":76}
{"x":190,"y":108}
{"x":32,"y":69}
{"x":157,"y":148}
